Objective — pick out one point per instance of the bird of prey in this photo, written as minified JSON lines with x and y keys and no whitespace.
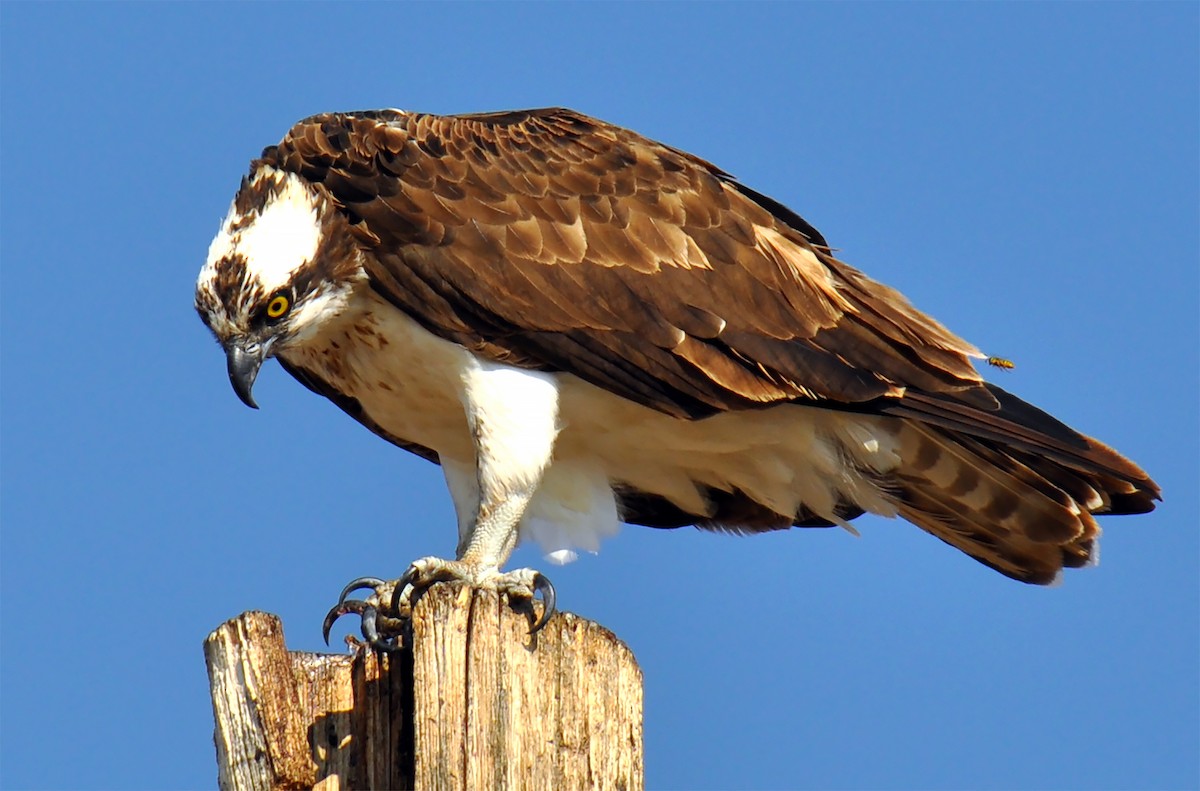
{"x":585,"y":327}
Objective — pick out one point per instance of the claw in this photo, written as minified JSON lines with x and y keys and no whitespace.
{"x":337,"y":611}
{"x":370,"y":630}
{"x":327,"y":624}
{"x":362,"y":583}
{"x":376,"y":615}
{"x":406,"y":579}
{"x":549,"y":599}
{"x":344,"y":607}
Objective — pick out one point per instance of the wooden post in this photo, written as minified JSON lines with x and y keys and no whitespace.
{"x":474,"y":702}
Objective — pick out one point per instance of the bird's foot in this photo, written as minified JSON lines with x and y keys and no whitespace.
{"x":386,"y":611}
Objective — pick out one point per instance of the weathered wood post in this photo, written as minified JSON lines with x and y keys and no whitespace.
{"x":473,"y":702}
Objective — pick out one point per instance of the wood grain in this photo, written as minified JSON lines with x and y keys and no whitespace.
{"x":472,"y":702}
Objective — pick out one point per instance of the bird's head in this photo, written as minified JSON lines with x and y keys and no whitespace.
{"x":280,"y":268}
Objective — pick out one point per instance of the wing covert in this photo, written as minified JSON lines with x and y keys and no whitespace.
{"x":552,"y":240}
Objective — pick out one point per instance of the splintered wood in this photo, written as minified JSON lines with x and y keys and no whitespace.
{"x":474,"y":702}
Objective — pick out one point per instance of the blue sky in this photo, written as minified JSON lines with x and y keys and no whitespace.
{"x":1026,"y":172}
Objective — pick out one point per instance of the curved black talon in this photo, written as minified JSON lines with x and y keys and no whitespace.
{"x":337,"y":611}
{"x":549,"y":599}
{"x":406,"y":579}
{"x":362,"y":583}
{"x":344,"y":607}
{"x":370,"y":630}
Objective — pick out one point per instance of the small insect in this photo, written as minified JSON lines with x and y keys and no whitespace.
{"x":1000,"y":362}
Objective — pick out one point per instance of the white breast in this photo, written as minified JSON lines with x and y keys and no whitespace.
{"x":420,"y":388}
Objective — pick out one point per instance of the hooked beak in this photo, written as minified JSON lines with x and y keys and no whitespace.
{"x":243,"y":368}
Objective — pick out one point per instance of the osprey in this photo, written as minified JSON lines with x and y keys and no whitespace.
{"x":585,"y":327}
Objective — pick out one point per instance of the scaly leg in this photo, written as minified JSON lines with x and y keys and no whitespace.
{"x":512,"y":416}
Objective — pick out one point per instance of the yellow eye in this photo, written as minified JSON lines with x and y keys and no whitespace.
{"x":277,"y":306}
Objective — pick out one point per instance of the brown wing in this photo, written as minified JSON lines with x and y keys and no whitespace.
{"x":553,"y":240}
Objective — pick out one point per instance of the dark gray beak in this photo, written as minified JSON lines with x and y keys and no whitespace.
{"x":243,"y":369}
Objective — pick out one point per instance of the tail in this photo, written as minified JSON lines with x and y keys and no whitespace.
{"x":1013,"y":488}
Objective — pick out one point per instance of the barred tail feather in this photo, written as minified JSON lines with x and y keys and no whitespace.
{"x":1020,"y":501}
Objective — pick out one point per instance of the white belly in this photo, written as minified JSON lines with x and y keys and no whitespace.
{"x":416,"y":387}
